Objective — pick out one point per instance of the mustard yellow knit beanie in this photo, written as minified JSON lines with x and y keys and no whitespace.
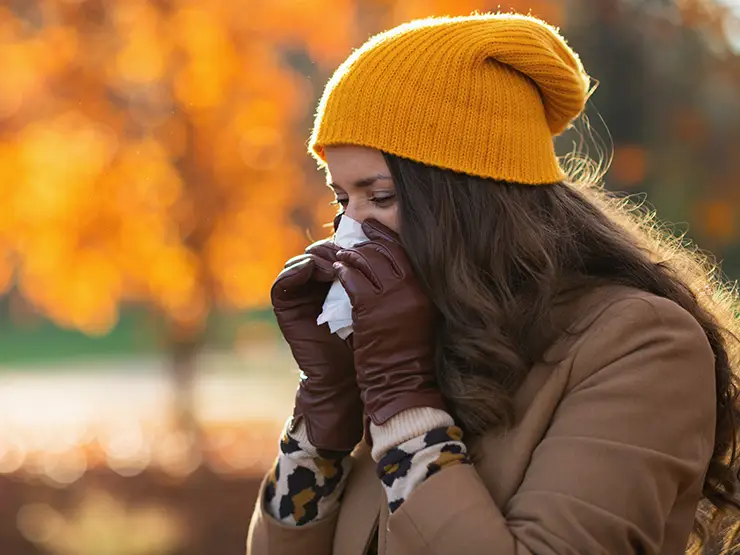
{"x":483,"y":94}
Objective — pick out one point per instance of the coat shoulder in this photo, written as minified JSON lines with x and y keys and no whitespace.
{"x":615,"y":307}
{"x":614,"y":322}
{"x":614,"y":302}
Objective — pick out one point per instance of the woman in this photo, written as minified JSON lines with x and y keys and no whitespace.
{"x":541,"y":372}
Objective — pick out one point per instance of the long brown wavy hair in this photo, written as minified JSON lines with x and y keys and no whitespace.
{"x":493,"y":256}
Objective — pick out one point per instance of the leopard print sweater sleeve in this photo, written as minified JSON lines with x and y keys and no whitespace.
{"x":305,"y":483}
{"x":413,"y":446}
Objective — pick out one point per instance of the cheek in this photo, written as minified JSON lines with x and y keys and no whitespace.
{"x":362,"y":210}
{"x":388,"y":217}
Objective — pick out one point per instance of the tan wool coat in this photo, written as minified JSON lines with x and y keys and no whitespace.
{"x":608,"y":455}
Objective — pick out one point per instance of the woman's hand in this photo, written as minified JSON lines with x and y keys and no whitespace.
{"x":328,"y":398}
{"x":394,"y":326}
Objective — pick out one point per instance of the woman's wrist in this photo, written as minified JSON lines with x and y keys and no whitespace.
{"x":306,"y":483}
{"x":299,"y":433}
{"x":406,"y":425}
{"x":413,"y":446}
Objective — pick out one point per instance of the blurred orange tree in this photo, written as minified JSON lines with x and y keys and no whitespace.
{"x":146,"y":146}
{"x":147,"y":155}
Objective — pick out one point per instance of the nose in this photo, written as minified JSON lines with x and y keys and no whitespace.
{"x":355,"y":213}
{"x":359,"y":208}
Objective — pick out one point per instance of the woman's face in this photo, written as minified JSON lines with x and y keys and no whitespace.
{"x":362,"y":184}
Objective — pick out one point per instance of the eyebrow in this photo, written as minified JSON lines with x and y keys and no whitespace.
{"x":366,"y":182}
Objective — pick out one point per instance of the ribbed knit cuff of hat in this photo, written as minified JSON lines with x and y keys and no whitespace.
{"x":406,"y":425}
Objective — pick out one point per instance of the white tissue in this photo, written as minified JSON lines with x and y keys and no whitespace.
{"x":337,"y":309}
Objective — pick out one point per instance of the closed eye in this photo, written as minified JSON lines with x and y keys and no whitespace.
{"x":343,"y":202}
{"x":383,"y":202}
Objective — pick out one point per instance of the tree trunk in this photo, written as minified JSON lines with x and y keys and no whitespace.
{"x":183,"y":368}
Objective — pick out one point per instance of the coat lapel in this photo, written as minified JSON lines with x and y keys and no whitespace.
{"x":358,"y":516}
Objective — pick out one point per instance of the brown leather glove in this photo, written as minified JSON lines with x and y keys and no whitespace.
{"x":394,"y":326}
{"x":328,"y":398}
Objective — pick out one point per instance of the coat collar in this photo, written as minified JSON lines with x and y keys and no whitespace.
{"x":358,"y":520}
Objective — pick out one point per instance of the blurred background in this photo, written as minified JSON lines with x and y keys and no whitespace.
{"x":153,"y":180}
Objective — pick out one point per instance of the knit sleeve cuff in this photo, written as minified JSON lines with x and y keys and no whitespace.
{"x":300,"y":435}
{"x":406,"y":425}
